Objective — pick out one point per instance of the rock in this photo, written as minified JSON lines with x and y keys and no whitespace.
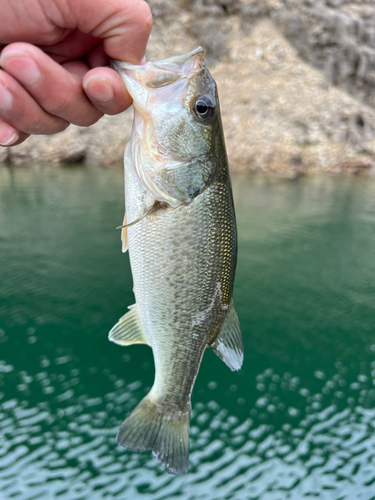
{"x":253,"y":9}
{"x":281,"y":116}
{"x":336,"y":36}
{"x":356,"y":166}
{"x":295,"y":78}
{"x":213,"y":7}
{"x":101,"y":144}
{"x":209,"y":35}
{"x":164,"y":9}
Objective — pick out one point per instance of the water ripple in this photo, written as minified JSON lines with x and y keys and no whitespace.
{"x":296,"y":423}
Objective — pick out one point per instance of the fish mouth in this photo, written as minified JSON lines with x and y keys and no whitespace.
{"x":120,"y":66}
{"x":161,"y":73}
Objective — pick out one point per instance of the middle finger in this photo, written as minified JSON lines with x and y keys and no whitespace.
{"x":57,"y":91}
{"x":19,"y":109}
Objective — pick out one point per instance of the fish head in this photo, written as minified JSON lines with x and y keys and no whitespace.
{"x":176,"y":123}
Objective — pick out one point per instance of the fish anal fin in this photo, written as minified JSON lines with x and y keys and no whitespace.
{"x":228,"y":344}
{"x":124,"y":235}
{"x":128,"y":329}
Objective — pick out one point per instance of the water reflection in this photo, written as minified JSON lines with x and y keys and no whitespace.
{"x":298,"y":420}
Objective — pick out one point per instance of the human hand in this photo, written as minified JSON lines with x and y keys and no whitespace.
{"x":53,"y":59}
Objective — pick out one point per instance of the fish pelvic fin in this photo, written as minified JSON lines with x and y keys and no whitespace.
{"x":228,"y":344}
{"x":128,"y":329}
{"x":150,"y":426}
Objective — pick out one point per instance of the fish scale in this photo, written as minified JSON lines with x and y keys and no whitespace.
{"x":194,"y":258}
{"x":181,"y":234}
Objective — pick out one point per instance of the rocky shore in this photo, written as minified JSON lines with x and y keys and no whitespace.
{"x":296,"y":81}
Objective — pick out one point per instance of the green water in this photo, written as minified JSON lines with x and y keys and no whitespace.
{"x":297,"y":422}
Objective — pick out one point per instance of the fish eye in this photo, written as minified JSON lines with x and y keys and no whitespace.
{"x":203,"y":108}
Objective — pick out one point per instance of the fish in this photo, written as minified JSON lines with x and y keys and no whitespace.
{"x":180,"y":231}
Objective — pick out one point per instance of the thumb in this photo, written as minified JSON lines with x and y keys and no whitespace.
{"x":124,"y":25}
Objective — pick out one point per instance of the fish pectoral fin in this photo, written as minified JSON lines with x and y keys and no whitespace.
{"x":228,"y":344}
{"x":149,"y":211}
{"x":124,"y":235}
{"x":128,"y":329}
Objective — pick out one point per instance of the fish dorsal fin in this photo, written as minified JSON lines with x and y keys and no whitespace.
{"x":228,"y":344}
{"x":124,"y":235}
{"x":128,"y":329}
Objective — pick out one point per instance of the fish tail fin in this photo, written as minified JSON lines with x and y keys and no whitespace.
{"x":150,"y":426}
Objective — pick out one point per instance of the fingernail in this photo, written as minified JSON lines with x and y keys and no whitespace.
{"x":10,"y":141}
{"x":143,"y":61}
{"x":6,"y":98}
{"x":8,"y":135}
{"x":21,"y":66}
{"x":99,"y":89}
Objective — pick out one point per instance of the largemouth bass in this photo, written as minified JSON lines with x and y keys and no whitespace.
{"x":181,"y":233}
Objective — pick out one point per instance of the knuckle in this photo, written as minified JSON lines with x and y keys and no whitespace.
{"x":34,"y":126}
{"x":58,"y":127}
{"x":44,"y":125}
{"x":78,"y":112}
{"x":146,"y":17}
{"x":138,"y":15}
{"x":88,"y":119}
{"x":141,"y":18}
{"x":60,"y":107}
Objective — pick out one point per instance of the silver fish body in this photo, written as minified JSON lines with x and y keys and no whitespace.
{"x":182,"y":240}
